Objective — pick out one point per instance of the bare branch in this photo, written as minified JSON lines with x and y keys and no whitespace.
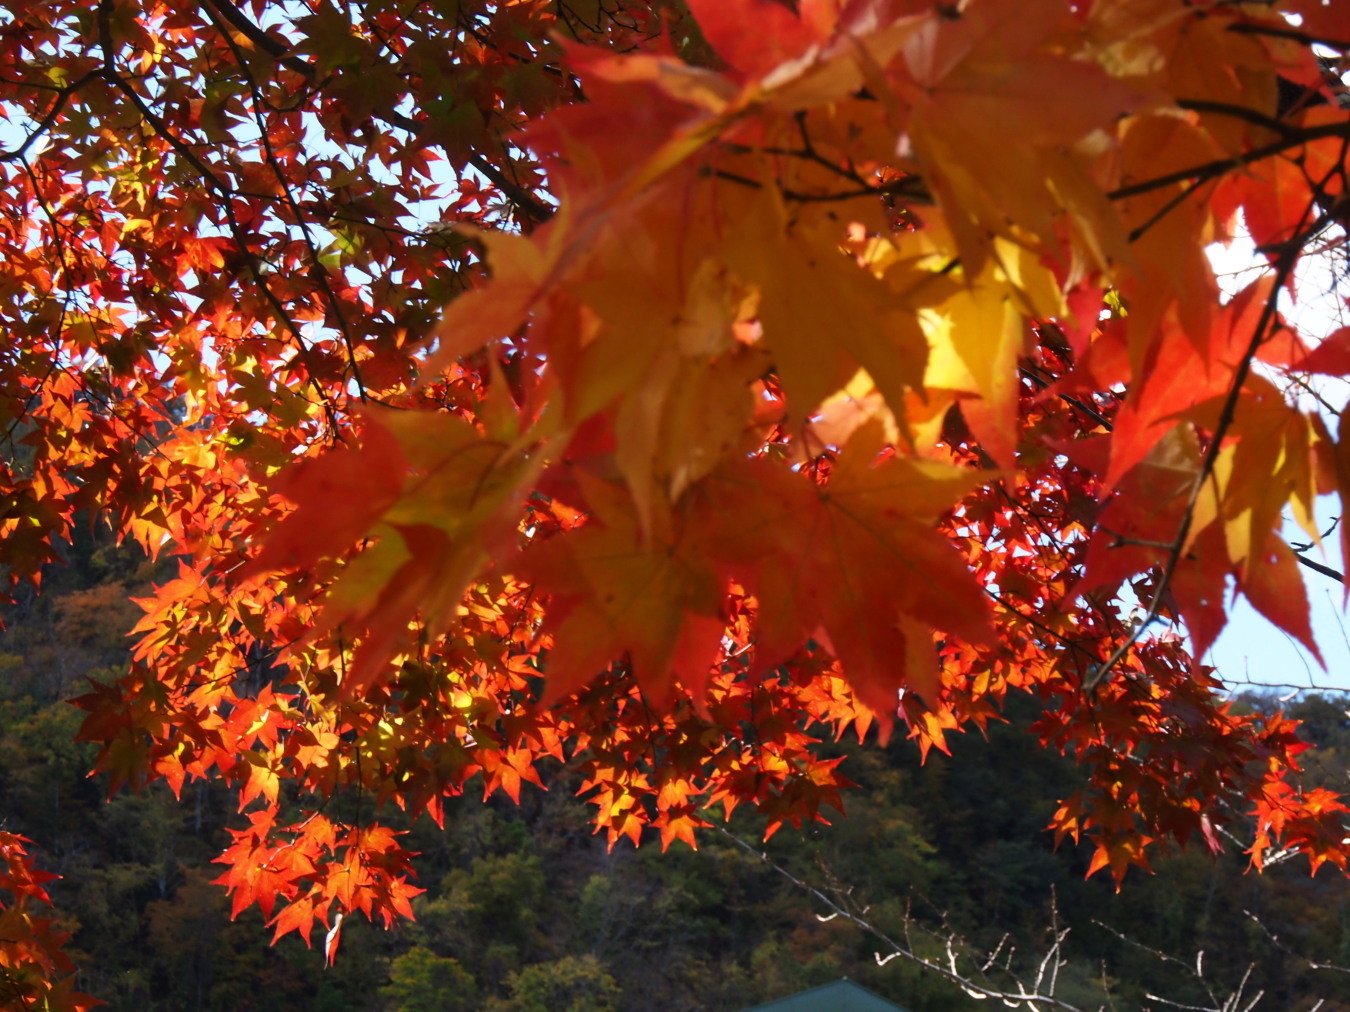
{"x":1031,"y":996}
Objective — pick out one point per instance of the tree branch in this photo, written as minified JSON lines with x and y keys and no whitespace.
{"x":537,"y":210}
{"x":1277,"y":32}
{"x":1317,"y":567}
{"x":1284,"y":267}
{"x":1221,"y":165}
{"x":1253,"y":116}
{"x":1034,"y":998}
{"x":278,"y":51}
{"x":44,"y":124}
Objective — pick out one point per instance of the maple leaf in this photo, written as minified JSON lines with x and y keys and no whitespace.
{"x":1331,"y":356}
{"x":519,"y":269}
{"x":614,"y":593}
{"x":367,"y":477}
{"x":435,"y":530}
{"x":978,"y":335}
{"x":1182,"y":374}
{"x":1119,"y":856}
{"x":980,"y":84}
{"x":299,"y":916}
{"x":679,"y":823}
{"x":814,"y":291}
{"x":787,"y":33}
{"x":856,"y":561}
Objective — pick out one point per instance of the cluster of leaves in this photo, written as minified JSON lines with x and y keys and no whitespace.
{"x":869,"y":355}
{"x":525,"y":908}
{"x":35,"y":971}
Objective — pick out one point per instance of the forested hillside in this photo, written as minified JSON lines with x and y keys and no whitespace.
{"x":527,"y":911}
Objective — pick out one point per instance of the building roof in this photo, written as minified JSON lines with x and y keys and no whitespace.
{"x":841,"y":996}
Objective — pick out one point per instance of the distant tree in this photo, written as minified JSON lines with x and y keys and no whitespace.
{"x":421,"y":981}
{"x":570,"y":984}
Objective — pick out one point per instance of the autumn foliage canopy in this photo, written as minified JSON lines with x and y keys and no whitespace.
{"x":665,"y":388}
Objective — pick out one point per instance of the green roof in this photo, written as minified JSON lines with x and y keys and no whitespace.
{"x":841,"y":996}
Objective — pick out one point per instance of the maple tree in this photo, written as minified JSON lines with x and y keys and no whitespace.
{"x":663,"y":388}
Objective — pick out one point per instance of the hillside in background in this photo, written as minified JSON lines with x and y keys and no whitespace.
{"x":525,"y":910}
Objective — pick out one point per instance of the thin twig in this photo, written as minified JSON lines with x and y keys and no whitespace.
{"x":1033,"y":999}
{"x":1318,"y":567}
{"x":1284,"y":267}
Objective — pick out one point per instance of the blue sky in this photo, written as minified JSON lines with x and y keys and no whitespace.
{"x":1252,"y":650}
